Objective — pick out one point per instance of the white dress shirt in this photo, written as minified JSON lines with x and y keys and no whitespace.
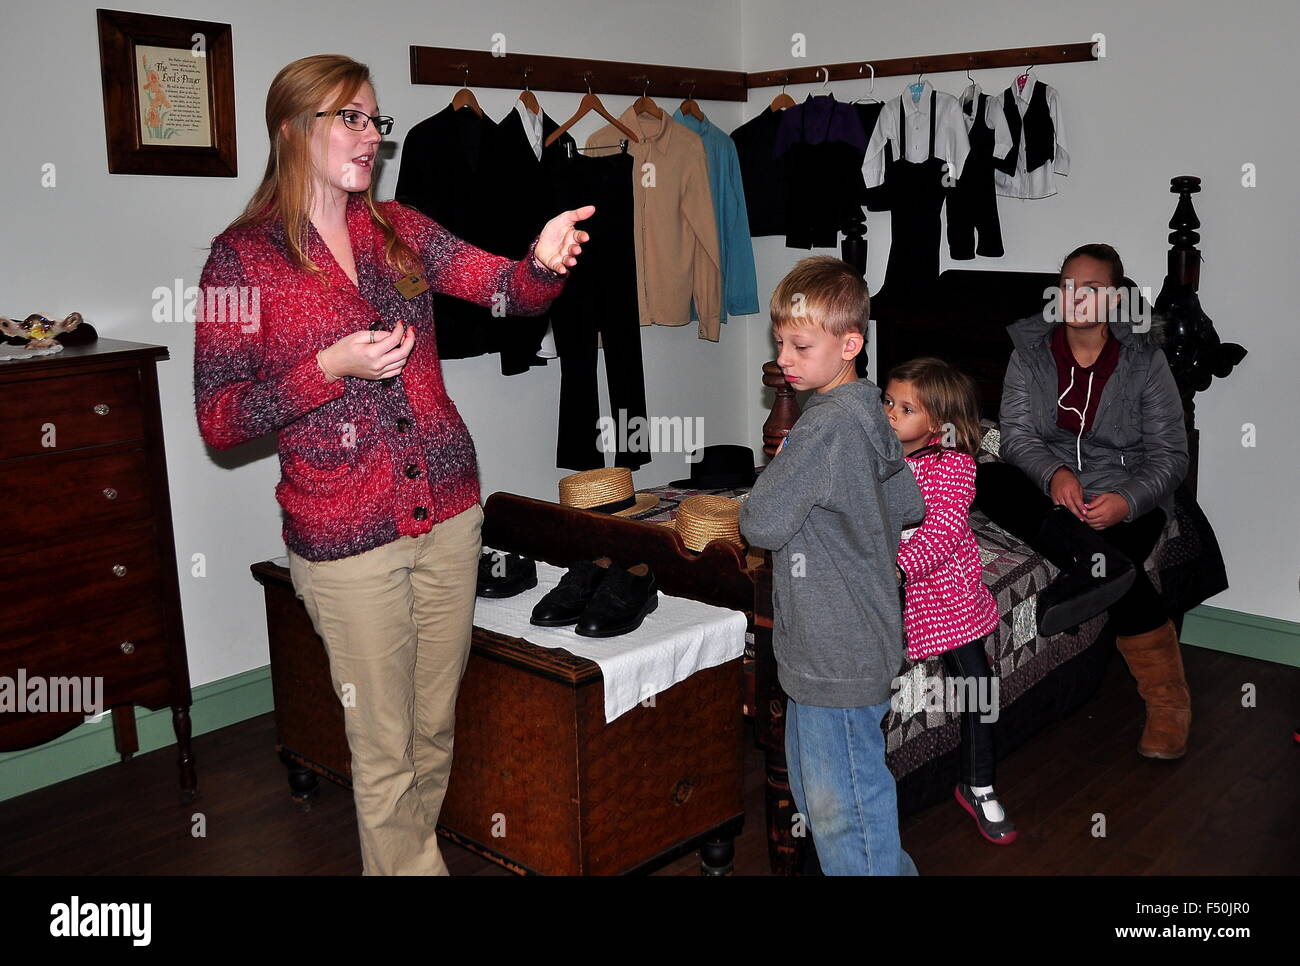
{"x":951,"y":141}
{"x":994,"y":119}
{"x":532,"y":127}
{"x":1041,"y":182}
{"x":873,"y":165}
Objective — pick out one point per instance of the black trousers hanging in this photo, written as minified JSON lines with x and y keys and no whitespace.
{"x":973,"y":201}
{"x":916,"y":194}
{"x":599,"y":301}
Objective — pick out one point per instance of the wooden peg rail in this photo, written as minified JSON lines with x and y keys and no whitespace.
{"x":935,"y":64}
{"x":447,"y":67}
{"x":455,"y":67}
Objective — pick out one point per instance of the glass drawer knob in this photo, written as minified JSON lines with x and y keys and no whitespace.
{"x":110,"y":493}
{"x":119,"y":570}
{"x":101,"y":409}
{"x":127,"y":647}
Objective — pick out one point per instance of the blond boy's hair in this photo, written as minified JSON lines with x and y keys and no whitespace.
{"x":825,"y":291}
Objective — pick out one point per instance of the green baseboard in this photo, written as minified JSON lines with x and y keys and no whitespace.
{"x":247,"y":695}
{"x":90,"y":746}
{"x":1264,"y":638}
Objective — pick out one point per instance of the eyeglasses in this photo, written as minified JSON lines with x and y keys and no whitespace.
{"x":357,"y":120}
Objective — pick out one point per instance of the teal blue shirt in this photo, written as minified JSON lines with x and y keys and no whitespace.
{"x":739,"y":280}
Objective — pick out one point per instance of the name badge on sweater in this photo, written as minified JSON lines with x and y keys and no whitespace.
{"x":409,"y":286}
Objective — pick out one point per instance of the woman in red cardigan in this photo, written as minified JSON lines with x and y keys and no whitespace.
{"x":316,"y":323}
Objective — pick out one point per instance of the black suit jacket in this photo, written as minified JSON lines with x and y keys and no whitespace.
{"x":444,"y":174}
{"x":763,"y":176}
{"x":521,"y":196}
{"x":481,"y":181}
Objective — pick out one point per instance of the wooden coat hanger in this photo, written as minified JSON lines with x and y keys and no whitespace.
{"x":783,"y":100}
{"x":590,"y":102}
{"x":644,"y":105}
{"x":528,"y":97}
{"x":465,"y":98}
{"x":690,"y":107}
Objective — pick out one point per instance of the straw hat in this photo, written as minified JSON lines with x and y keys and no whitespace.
{"x":704,"y":518}
{"x":605,"y":491}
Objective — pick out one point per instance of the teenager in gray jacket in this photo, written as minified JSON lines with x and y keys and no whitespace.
{"x":1093,"y":446}
{"x":831,"y":506}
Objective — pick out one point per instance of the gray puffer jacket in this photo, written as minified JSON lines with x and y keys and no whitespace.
{"x":1137,"y":445}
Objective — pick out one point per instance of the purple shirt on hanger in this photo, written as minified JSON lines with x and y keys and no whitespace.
{"x":817,"y":120}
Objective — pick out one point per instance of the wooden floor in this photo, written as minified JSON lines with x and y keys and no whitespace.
{"x":1230,"y":806}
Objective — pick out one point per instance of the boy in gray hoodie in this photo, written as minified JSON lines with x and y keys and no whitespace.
{"x":831,"y":506}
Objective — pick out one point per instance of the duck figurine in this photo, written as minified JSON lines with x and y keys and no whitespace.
{"x":38,"y":330}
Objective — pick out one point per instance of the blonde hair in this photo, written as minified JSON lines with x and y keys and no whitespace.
{"x":288,"y":187}
{"x":822,"y":290}
{"x":947,"y":395}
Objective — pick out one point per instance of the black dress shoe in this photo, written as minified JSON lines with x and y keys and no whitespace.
{"x":621,"y":603}
{"x":503,"y":575}
{"x":565,"y":602}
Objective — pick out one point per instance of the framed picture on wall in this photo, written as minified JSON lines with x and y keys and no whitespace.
{"x":169,"y":95}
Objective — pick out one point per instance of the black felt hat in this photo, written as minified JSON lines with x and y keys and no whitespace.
{"x":721,"y":467}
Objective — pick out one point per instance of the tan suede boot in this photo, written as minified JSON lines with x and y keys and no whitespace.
{"x":1155,"y":659}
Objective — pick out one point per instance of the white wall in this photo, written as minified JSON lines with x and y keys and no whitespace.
{"x":100,"y":244}
{"x":1190,"y":99}
{"x":1185,"y":88}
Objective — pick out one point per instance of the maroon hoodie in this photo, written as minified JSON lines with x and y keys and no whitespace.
{"x":1077,"y":396}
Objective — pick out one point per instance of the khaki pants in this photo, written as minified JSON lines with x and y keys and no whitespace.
{"x":396,"y":622}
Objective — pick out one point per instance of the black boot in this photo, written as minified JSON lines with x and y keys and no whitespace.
{"x":1077,"y":550}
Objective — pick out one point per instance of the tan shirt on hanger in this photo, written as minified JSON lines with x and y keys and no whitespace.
{"x":677,"y":251}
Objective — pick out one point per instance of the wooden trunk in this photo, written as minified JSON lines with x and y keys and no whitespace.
{"x":540,"y":783}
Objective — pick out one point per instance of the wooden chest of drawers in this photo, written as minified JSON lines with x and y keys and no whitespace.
{"x":87,"y":555}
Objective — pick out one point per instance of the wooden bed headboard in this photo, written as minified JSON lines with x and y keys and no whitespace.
{"x":964,"y":324}
{"x":963,"y":320}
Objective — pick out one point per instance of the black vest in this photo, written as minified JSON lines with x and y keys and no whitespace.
{"x":1040,"y":135}
{"x":980,"y":134}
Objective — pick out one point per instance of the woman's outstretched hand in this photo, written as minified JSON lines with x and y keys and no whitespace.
{"x":560,"y":243}
{"x":356,"y":355}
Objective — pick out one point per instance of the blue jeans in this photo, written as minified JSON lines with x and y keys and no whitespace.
{"x":844,"y":789}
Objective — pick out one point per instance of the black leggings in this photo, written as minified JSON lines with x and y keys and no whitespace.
{"x":1007,"y":497}
{"x":977,"y":752}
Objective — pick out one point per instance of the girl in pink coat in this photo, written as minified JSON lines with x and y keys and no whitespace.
{"x":949,"y":612}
